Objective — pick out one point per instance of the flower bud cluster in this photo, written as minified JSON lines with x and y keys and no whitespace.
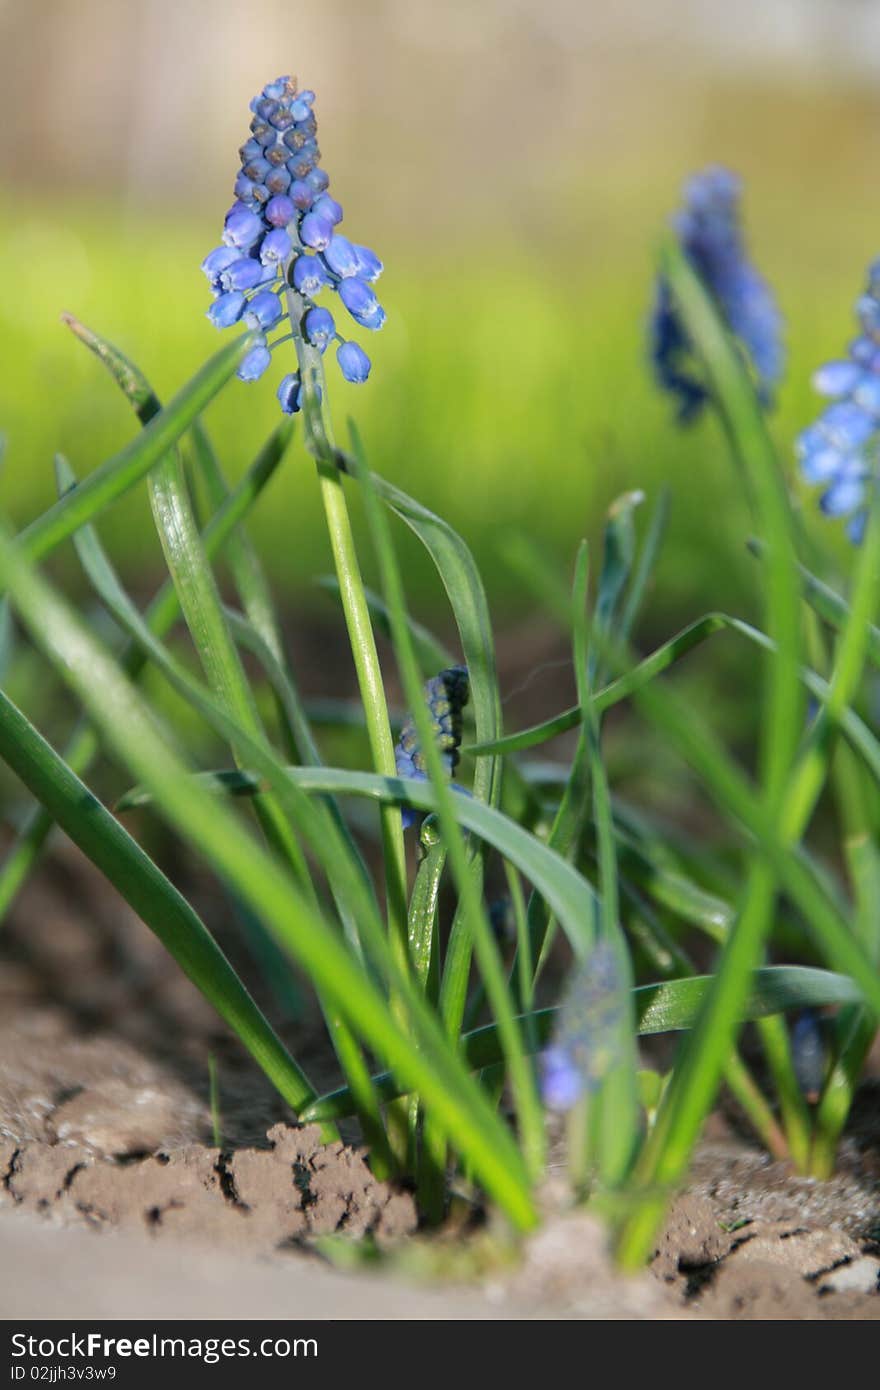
{"x":446,"y":696}
{"x":281,"y":246}
{"x":708,"y":229}
{"x":839,"y":452}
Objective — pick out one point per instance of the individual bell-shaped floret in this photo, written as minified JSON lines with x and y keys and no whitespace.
{"x":227,"y":309}
{"x":309,"y":275}
{"x":315,"y":232}
{"x":290,"y":393}
{"x":275,"y":247}
{"x":243,"y":274}
{"x":361,"y":303}
{"x":254,"y":362}
{"x":353,"y":362}
{"x":328,"y":208}
{"x":264,"y":310}
{"x":319,"y":328}
{"x":369,"y":267}
{"x":216,"y":262}
{"x":341,"y":257}
{"x":242,"y":228}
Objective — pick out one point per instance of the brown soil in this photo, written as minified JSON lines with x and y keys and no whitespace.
{"x":105,"y":1126}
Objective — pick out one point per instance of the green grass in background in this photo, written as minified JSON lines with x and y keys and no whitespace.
{"x":510,"y":387}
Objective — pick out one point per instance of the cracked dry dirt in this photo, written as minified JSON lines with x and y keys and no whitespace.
{"x":105,"y":1127}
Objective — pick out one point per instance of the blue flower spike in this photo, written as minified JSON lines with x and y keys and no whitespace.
{"x":446,"y":696}
{"x":280,"y":247}
{"x":840,"y":452}
{"x":709,"y":231}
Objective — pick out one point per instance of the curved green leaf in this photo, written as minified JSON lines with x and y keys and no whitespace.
{"x":854,"y":729}
{"x":669,"y":1007}
{"x":567,"y":893}
{"x":126,"y":468}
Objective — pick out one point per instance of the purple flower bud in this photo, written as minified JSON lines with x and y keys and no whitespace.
{"x":289,"y":393}
{"x":847,"y":425}
{"x":319,"y":328}
{"x":867,"y":394}
{"x":262,"y":132}
{"x":327,"y":207}
{"x":821,"y":464}
{"x":217,"y":260}
{"x":276,"y":155}
{"x":244,"y":188}
{"x":843,"y":496}
{"x":275,"y":247}
{"x":257,"y":169}
{"x":340,"y":255}
{"x":278,"y":181}
{"x":300,"y":195}
{"x":300,"y":109}
{"x":361,"y":303}
{"x":227,"y":310}
{"x":242,"y":227}
{"x":303,"y":161}
{"x":315,"y":232}
{"x":862,"y":350}
{"x":309,"y":276}
{"x":855,"y":527}
{"x":277,"y":90}
{"x":868,"y":310}
{"x":561,"y":1083}
{"x":279,"y":211}
{"x":254,"y":363}
{"x":369,"y":267}
{"x":300,"y":134}
{"x":264,"y":310}
{"x":243,"y":274}
{"x":836,"y":378}
{"x":282,"y":119}
{"x":318,"y":180}
{"x":353,"y":362}
{"x":264,"y":107}
{"x":251,"y":149}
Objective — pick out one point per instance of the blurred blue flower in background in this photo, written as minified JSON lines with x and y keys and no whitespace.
{"x":708,"y":228}
{"x":839,"y":451}
{"x":585,"y":1039}
{"x":446,"y":696}
{"x":263,"y":272}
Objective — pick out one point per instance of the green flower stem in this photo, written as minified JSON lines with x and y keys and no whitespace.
{"x":776,"y":1043}
{"x":667,"y":1151}
{"x":670,"y":959}
{"x":748,"y":1093}
{"x":203,"y":611}
{"x":856,"y":1027}
{"x":319,"y":440}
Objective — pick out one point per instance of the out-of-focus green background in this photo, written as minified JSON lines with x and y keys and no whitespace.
{"x":514,"y":163}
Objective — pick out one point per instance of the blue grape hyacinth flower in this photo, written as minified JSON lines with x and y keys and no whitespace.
{"x":586,"y":1037}
{"x":708,"y":229}
{"x":281,"y":247}
{"x":446,"y":696}
{"x":841,"y":450}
